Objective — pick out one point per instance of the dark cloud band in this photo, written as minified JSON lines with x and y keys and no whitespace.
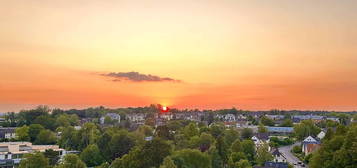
{"x":138,"y":77}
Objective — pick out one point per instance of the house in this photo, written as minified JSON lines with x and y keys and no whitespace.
{"x":278,"y":157}
{"x":310,"y":145}
{"x":321,"y":135}
{"x":229,"y":117}
{"x":7,"y":132}
{"x":260,"y":139}
{"x":12,"y":152}
{"x":275,"y":117}
{"x":167,"y":116}
{"x":280,"y":130}
{"x":112,"y":116}
{"x":136,"y":117}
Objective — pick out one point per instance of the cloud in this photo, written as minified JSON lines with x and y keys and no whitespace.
{"x":138,"y":77}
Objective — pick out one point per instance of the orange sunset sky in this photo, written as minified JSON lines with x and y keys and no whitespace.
{"x":248,"y":54}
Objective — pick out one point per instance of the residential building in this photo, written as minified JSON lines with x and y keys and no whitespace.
{"x":112,"y":116}
{"x":275,"y":117}
{"x":278,"y":156}
{"x":7,"y":132}
{"x":229,"y":117}
{"x":12,"y":152}
{"x":136,"y":117}
{"x":321,"y":135}
{"x":260,"y":139}
{"x":310,"y":144}
{"x":298,"y":118}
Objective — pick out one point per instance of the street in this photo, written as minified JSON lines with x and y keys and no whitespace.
{"x":290,"y":158}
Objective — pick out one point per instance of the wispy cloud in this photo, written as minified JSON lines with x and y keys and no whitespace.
{"x":138,"y":77}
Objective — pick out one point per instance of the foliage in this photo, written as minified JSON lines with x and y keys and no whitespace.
{"x":305,"y":128}
{"x":296,"y":149}
{"x":34,"y":130}
{"x":262,"y":129}
{"x":338,"y":152}
{"x":91,"y":156}
{"x":242,"y":164}
{"x":267,"y":121}
{"x":287,"y":123}
{"x":248,"y":149}
{"x":46,"y":137}
{"x":34,"y":160}
{"x":276,"y":142}
{"x":247,"y":133}
{"x":22,"y":133}
{"x":263,"y":155}
{"x":191,"y":158}
{"x":168,"y":163}
{"x":71,"y":161}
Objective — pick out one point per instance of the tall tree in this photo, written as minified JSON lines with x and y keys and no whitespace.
{"x":248,"y":149}
{"x":34,"y":160}
{"x":34,"y":130}
{"x":22,"y":133}
{"x":91,"y":156}
{"x":168,"y":163}
{"x":191,"y":158}
{"x":46,"y":137}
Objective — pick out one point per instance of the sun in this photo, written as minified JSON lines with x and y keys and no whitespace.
{"x":164,"y":108}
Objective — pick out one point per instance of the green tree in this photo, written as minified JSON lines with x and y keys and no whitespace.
{"x":34,"y":130}
{"x":22,"y":133}
{"x":153,"y":153}
{"x":190,"y":130}
{"x":248,"y":149}
{"x":236,"y":146}
{"x":242,"y":164}
{"x":205,"y":141}
{"x":287,"y":123}
{"x":71,"y":161}
{"x":191,"y":158}
{"x":306,"y":128}
{"x":69,"y":138}
{"x":88,"y":135}
{"x":66,"y":120}
{"x":263,"y":155}
{"x":91,"y":156}
{"x":120,"y":144}
{"x":46,"y":121}
{"x":267,"y":121}
{"x":230,"y":136}
{"x":168,"y":163}
{"x":222,"y":149}
{"x":46,"y":137}
{"x":247,"y":133}
{"x":164,"y":132}
{"x":217,"y":129}
{"x":262,"y":129}
{"x":34,"y":160}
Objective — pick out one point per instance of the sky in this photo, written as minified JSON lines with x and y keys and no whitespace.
{"x":254,"y":55}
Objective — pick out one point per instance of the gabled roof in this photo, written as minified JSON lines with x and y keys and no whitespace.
{"x":310,"y":140}
{"x":262,"y":136}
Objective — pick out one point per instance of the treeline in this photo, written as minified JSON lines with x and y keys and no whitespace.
{"x":338,"y":149}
